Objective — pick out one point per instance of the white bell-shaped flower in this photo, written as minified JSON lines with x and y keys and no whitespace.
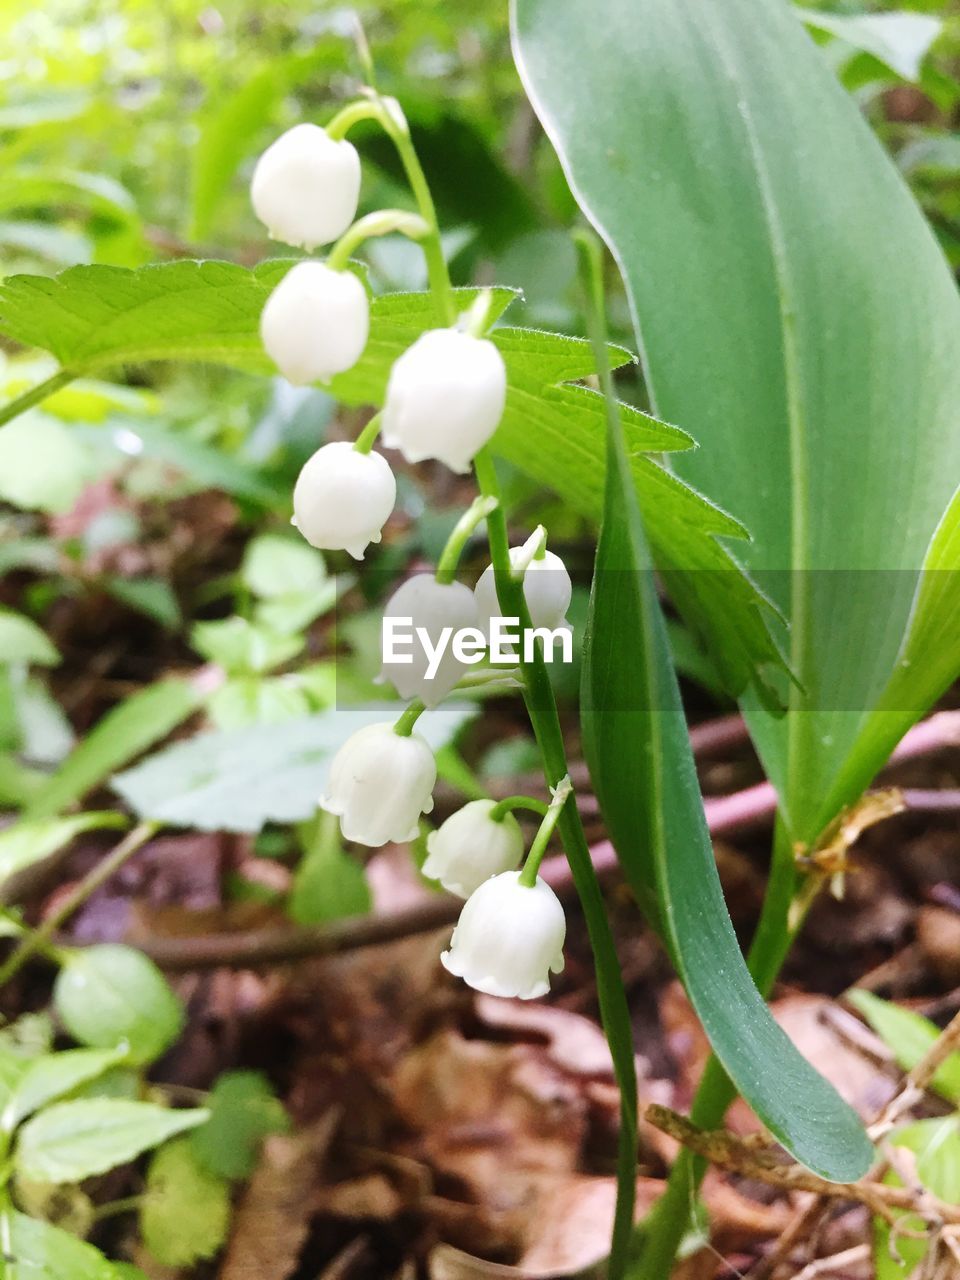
{"x":439,"y":610}
{"x":305,"y":187}
{"x":509,"y":938}
{"x":445,"y":398}
{"x":470,"y":847}
{"x":379,"y":784}
{"x":315,"y":323}
{"x":547,"y":590}
{"x":342,"y":498}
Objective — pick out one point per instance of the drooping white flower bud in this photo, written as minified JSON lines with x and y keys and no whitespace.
{"x":305,"y":187}
{"x":546,"y":588}
{"x":470,"y":847}
{"x":315,"y":323}
{"x":509,"y":938}
{"x":379,"y":784}
{"x":445,"y":398}
{"x":342,"y":498}
{"x":433,"y":607}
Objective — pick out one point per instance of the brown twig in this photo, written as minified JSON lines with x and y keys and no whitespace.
{"x":767,"y":1164}
{"x":918,"y":1078}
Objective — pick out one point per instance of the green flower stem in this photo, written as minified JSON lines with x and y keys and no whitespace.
{"x":382,"y":223}
{"x":614,"y":1012}
{"x":42,"y":938}
{"x":463,"y":530}
{"x":404,"y":725}
{"x":40,"y":392}
{"x":535,"y":548}
{"x":669,"y":1219}
{"x":509,"y":803}
{"x":351,"y":114}
{"x":368,"y":436}
{"x":561,"y":793}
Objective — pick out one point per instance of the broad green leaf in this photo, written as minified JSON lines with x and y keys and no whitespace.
{"x":44,"y":1252}
{"x":70,"y":1141}
{"x":43,"y":466}
{"x":30,"y":841}
{"x":642,"y":767}
{"x":243,"y":1111}
{"x":124,"y":733}
{"x":186,"y":1210}
{"x":42,"y":187}
{"x":21,"y":640}
{"x":936,"y":1146}
{"x":900,"y":41}
{"x":241,"y":647}
{"x":111,"y":996}
{"x":909,"y":1035}
{"x":240,"y":779}
{"x":92,"y":318}
{"x":275,"y":567}
{"x":153,"y":597}
{"x":797,"y":317}
{"x":52,"y":1076}
{"x":328,"y":884}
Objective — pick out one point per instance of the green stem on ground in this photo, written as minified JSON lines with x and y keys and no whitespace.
{"x":41,"y":939}
{"x":542,"y":710}
{"x":668,"y":1221}
{"x":460,"y":535}
{"x":34,"y":396}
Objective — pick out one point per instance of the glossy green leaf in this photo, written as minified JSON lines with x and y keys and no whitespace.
{"x":909,"y":1035}
{"x":243,"y":1111}
{"x":240,"y":779}
{"x":53,"y":1075}
{"x":124,"y":733}
{"x":21,"y":640}
{"x":111,"y":996}
{"x":94,"y":317}
{"x":797,"y":317}
{"x":42,"y":1251}
{"x":936,"y":1146}
{"x":70,"y":1141}
{"x":24,"y":843}
{"x":642,"y":767}
{"x":186,"y":1210}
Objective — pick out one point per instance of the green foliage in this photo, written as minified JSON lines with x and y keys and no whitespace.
{"x":186,"y":1209}
{"x":900,"y":41}
{"x":52,"y":1076}
{"x":936,"y":1146}
{"x":243,"y":1111}
{"x":909,"y":1036}
{"x":810,"y":438}
{"x":70,"y":1141}
{"x":44,"y":1252}
{"x":23,"y":641}
{"x":43,"y":467}
{"x":27,"y":842}
{"x":237,"y":780}
{"x":110,"y":995}
{"x":328,"y":884}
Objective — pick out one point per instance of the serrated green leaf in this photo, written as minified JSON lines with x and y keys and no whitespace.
{"x":761,"y":310}
{"x":44,"y":1252}
{"x":186,"y":1210}
{"x":638,"y":749}
{"x":111,"y":996}
{"x":27,"y":842}
{"x":243,"y":1111}
{"x":124,"y":733}
{"x":936,"y":1146}
{"x":908,"y":1035}
{"x":239,"y":779}
{"x":52,"y":1076}
{"x":21,"y":640}
{"x":70,"y":1141}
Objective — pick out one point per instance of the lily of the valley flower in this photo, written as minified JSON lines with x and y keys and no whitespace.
{"x":509,"y":938}
{"x":433,"y":608}
{"x":315,"y":323}
{"x":471,"y":846}
{"x":445,"y":398}
{"x":305,"y":187}
{"x":546,"y":588}
{"x":342,"y":498}
{"x":379,"y":784}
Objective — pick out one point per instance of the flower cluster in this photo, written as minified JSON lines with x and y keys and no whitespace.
{"x":445,"y":397}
